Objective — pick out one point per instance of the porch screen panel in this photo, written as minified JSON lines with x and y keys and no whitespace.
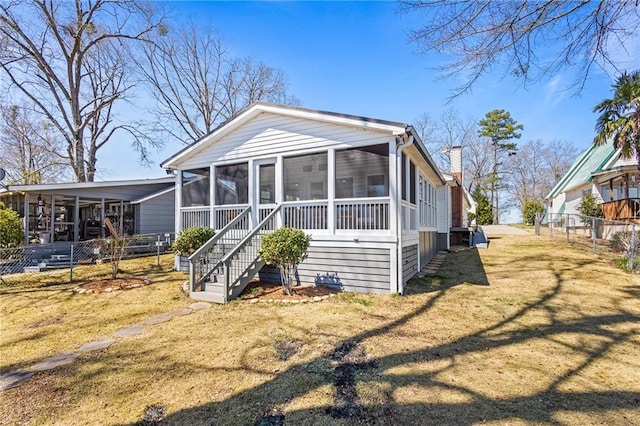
{"x":232,"y":184}
{"x":195,"y":187}
{"x":305,"y":177}
{"x":362,"y":172}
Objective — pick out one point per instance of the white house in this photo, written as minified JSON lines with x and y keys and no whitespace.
{"x":366,"y":190}
{"x":603,"y":172}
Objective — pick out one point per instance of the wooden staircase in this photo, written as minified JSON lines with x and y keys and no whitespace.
{"x":223,"y":267}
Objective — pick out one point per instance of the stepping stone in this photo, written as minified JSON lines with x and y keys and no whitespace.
{"x":134,"y":330}
{"x":180,"y":312}
{"x":54,"y":361}
{"x":199,"y":306}
{"x":13,"y":379}
{"x":96,"y":345}
{"x":157,"y":319}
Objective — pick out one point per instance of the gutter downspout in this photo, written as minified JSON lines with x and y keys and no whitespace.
{"x":400,"y":145}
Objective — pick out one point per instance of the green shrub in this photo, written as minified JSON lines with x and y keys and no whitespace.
{"x":191,"y":239}
{"x":11,"y":234}
{"x":285,"y":248}
{"x":530,"y":210}
{"x":588,"y":208}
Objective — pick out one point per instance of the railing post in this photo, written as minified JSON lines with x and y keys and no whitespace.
{"x":225,"y":280}
{"x":192,"y":275}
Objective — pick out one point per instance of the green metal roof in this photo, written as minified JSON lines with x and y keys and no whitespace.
{"x":586,"y":165}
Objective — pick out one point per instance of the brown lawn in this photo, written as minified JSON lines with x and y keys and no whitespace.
{"x":529,"y":331}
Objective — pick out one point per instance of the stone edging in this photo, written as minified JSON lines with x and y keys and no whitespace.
{"x":291,"y":301}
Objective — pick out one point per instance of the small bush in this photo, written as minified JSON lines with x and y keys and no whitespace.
{"x":530,"y":210}
{"x":10,"y":228}
{"x":191,"y":239}
{"x":588,"y":208}
{"x":285,"y":248}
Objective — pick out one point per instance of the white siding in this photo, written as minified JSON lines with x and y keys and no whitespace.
{"x":269,"y":134}
{"x":443,"y":205}
{"x":360,"y":269}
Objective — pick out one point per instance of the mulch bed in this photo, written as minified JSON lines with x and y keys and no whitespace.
{"x":265,"y":291}
{"x":107,"y":285}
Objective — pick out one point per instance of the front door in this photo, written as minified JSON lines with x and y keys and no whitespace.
{"x":265,"y":188}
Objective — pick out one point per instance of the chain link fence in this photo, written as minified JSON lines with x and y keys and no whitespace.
{"x":68,"y":254}
{"x":602,"y":236}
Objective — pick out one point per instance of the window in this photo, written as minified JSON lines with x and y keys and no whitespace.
{"x":412,"y":182}
{"x":344,"y":187}
{"x":363,"y":172}
{"x":195,"y":187}
{"x":376,"y":186}
{"x":303,"y":177}
{"x":267,"y":183}
{"x":232,"y":184}
{"x":403,"y":175}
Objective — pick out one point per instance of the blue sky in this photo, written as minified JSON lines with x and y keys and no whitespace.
{"x":355,"y":58}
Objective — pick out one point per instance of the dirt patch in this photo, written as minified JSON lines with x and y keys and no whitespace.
{"x":264,"y":291}
{"x":107,"y":285}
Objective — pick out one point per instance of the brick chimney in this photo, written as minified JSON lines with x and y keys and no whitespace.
{"x":455,"y":158}
{"x":457,"y":195}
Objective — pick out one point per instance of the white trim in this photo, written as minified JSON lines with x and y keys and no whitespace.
{"x":90,"y":185}
{"x":152,"y":196}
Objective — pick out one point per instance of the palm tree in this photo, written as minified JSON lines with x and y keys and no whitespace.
{"x":620,"y":116}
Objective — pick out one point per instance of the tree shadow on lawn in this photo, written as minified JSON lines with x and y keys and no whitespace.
{"x":350,"y":369}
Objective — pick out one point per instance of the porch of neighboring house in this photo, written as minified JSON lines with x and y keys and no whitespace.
{"x":620,"y":193}
{"x":53,"y":217}
{"x":77,"y":211}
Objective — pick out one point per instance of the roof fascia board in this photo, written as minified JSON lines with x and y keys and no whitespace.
{"x":84,"y":185}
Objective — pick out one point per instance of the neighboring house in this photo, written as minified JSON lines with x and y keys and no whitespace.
{"x":77,"y":211}
{"x":366,"y":190}
{"x":601,"y":171}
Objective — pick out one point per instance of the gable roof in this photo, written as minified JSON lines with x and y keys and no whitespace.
{"x":257,"y":108}
{"x":589,"y":163}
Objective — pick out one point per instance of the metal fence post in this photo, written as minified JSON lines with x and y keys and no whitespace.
{"x":71,"y":266}
{"x":566,"y":227}
{"x":632,"y":248}
{"x":593,"y":234}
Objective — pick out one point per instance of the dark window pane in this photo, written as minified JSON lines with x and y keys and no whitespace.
{"x":232,"y":184}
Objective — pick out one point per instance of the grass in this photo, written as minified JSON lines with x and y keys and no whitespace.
{"x":529,"y":331}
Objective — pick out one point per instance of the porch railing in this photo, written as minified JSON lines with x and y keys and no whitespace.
{"x":625,"y":209}
{"x":409,"y":216}
{"x":245,"y":256}
{"x":223,"y":215}
{"x":204,"y":261}
{"x":306,"y":215}
{"x":195,"y":216}
{"x":362,"y":214}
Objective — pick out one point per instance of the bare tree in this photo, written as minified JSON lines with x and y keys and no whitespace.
{"x":198,"y":84}
{"x":450,"y":130}
{"x":71,"y":61}
{"x":533,"y":39}
{"x":30,"y":152}
{"x":537,"y":167}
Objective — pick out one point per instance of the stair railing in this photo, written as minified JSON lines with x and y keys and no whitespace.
{"x":246,"y":254}
{"x":206,"y":260}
